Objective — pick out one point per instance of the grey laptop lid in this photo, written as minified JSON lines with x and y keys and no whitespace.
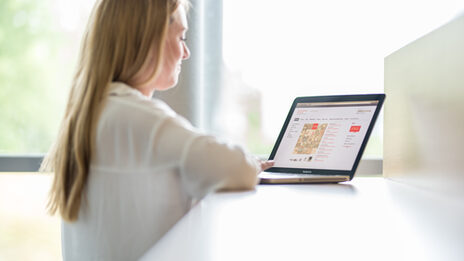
{"x":324,"y":135}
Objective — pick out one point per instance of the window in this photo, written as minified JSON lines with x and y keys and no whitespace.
{"x":271,"y":52}
{"x":274,"y":51}
{"x":39,"y":43}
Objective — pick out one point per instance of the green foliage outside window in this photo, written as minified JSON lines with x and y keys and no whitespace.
{"x":35,"y":69}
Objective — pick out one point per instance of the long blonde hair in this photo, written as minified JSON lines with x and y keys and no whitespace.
{"x":120,"y":36}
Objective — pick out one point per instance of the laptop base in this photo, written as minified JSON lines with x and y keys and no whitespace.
{"x":282,"y":178}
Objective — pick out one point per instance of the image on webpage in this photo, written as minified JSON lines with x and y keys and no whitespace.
{"x":325,"y":135}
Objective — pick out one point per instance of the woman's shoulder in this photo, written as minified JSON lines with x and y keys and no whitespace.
{"x":126,"y":106}
{"x":125,"y":99}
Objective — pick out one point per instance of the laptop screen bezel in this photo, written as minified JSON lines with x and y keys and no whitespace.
{"x":323,"y":99}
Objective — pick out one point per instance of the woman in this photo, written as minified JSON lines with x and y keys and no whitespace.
{"x":126,"y":166}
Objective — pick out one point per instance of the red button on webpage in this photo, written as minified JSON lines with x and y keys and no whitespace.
{"x":355,"y":128}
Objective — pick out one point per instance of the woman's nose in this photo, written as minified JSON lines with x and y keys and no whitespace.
{"x":186,"y":52}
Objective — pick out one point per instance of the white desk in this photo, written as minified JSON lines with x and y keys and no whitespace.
{"x":367,"y":219}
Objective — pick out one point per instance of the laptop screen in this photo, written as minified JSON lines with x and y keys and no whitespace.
{"x":325,"y":135}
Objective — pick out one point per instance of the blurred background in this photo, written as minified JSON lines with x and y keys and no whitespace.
{"x":257,"y":57}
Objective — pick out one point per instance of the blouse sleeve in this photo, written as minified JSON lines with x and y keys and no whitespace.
{"x":206,"y":164}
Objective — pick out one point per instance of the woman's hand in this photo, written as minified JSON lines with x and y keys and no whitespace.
{"x":266,"y":164}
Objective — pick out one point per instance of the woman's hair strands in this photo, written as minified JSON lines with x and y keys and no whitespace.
{"x":120,"y":35}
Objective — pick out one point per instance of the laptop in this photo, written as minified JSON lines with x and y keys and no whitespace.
{"x":323,"y":139}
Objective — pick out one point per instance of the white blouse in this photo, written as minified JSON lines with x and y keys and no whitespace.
{"x":148,"y":166}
